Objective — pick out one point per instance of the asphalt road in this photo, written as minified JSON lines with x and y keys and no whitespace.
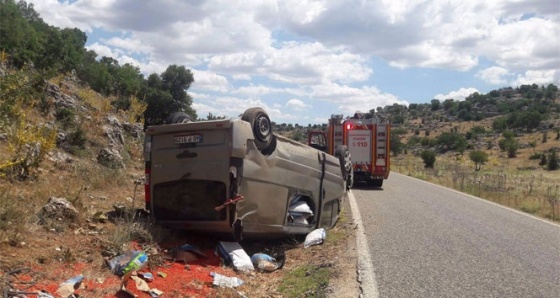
{"x":429,"y":241}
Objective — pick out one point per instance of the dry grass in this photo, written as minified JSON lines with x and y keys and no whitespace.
{"x":518,"y":182}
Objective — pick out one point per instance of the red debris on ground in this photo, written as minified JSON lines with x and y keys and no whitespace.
{"x":174,"y":279}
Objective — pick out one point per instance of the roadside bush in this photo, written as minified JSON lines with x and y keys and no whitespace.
{"x":429,"y":158}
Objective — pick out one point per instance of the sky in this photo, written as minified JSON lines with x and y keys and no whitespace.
{"x":303,"y":60}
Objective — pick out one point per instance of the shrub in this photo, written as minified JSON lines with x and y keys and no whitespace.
{"x":76,"y":140}
{"x":552,"y":162}
{"x":479,"y":158}
{"x":543,"y":160}
{"x":535,"y":156}
{"x":65,"y":116}
{"x":29,"y":144}
{"x":509,"y":144}
{"x":429,"y":158}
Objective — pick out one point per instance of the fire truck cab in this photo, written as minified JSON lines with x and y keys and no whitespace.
{"x":367,"y":140}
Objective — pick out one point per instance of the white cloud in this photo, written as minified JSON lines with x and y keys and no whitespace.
{"x":130,"y":45}
{"x":494,"y":75}
{"x":103,"y":50}
{"x":458,"y":95}
{"x":350,"y":99}
{"x":234,"y":107}
{"x":525,"y":45}
{"x":537,"y":77}
{"x":319,"y":51}
{"x":209,"y":81}
{"x":296,"y":104}
{"x":300,"y":63}
{"x":256,"y":91}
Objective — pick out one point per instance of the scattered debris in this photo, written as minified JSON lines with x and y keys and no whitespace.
{"x":299,"y":211}
{"x":43,"y":294}
{"x":186,"y":253}
{"x":233,"y":254}
{"x":141,"y":284}
{"x":147,"y":276}
{"x":315,"y":237}
{"x":155,"y":293}
{"x":67,"y":288}
{"x":124,"y":293}
{"x":224,"y":281}
{"x":162,"y":274}
{"x":130,"y":261}
{"x":264,"y":262}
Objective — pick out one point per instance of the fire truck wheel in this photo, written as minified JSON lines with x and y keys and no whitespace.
{"x":377,"y":182}
{"x":345,"y":164}
{"x":262,"y":128}
{"x":350,"y":179}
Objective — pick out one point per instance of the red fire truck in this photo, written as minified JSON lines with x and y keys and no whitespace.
{"x":367,"y":139}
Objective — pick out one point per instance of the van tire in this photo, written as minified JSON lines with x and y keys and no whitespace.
{"x":178,"y":117}
{"x":261,"y":126}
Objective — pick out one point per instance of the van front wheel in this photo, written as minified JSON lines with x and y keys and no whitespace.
{"x":261,"y":125}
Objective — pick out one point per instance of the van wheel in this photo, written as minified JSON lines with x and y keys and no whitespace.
{"x":262,"y":128}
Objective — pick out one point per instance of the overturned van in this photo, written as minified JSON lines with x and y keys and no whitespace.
{"x":237,"y":176}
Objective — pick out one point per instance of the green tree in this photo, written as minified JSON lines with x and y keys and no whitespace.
{"x":448,"y":104}
{"x":452,"y":141}
{"x":18,"y":38}
{"x":436,"y":104}
{"x":509,"y":144}
{"x":479,"y":158}
{"x":543,"y":160}
{"x":530,"y":120}
{"x":552,"y":161}
{"x":397,"y":145}
{"x":429,"y":158}
{"x":499,"y":124}
{"x":214,"y":117}
{"x":167,"y":93}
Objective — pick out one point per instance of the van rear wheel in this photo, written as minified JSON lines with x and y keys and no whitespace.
{"x":261,"y":125}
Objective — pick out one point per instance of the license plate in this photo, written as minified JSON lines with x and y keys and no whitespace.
{"x":188,"y":139}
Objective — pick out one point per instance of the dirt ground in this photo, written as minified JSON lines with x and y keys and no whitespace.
{"x":46,"y":258}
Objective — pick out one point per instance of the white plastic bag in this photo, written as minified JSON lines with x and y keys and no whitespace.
{"x":224,"y":281}
{"x":233,"y":254}
{"x":315,"y":237}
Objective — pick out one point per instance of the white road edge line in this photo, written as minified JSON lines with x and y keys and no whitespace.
{"x":366,"y":275}
{"x":486,"y":201}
